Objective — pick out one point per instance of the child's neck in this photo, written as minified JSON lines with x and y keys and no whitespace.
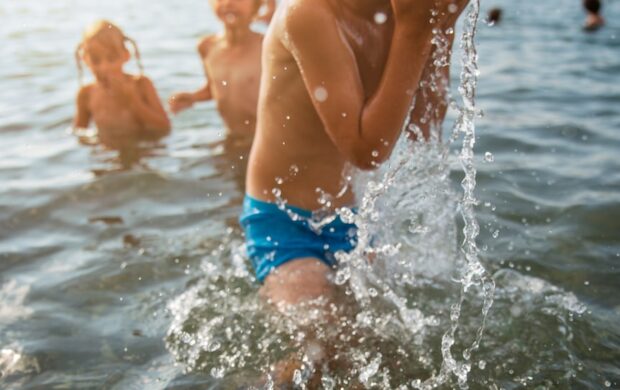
{"x":236,"y":35}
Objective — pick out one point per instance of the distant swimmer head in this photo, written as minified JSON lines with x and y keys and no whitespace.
{"x":594,"y":20}
{"x":103,"y":49}
{"x":494,"y":16}
{"x":592,"y":6}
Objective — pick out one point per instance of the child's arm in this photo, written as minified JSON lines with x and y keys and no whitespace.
{"x":82,"y":115}
{"x":183,"y":100}
{"x":431,"y":102}
{"x":148,"y":108}
{"x":364,"y":130}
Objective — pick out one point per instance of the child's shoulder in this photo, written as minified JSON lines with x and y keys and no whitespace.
{"x":304,"y":14}
{"x":140,"y":80}
{"x":85,"y":91}
{"x":205,"y":43}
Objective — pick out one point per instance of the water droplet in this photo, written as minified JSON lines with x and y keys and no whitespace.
{"x":488,"y":157}
{"x":320,"y":94}
{"x":279,"y":180}
{"x":288,"y":117}
{"x":224,"y":83}
{"x":380,"y":17}
{"x":213,"y":346}
{"x":375,"y":153}
{"x":496,"y":234}
{"x":297,"y":379}
{"x":607,"y":384}
{"x":293,"y":169}
{"x":217,"y":372}
{"x":344,"y":114}
{"x":482,"y":364}
{"x":343,"y":275}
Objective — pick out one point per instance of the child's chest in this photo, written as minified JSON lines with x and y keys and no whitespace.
{"x":233,"y":70}
{"x":111,"y":113}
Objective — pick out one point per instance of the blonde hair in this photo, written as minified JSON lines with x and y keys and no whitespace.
{"x":108,"y":35}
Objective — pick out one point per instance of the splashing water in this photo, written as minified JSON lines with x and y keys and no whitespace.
{"x":397,"y":326}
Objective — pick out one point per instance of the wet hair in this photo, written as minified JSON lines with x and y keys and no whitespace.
{"x":495,"y":15}
{"x":108,"y":35}
{"x":592,"y":6}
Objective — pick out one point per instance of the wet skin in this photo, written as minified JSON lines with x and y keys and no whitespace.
{"x":122,"y":106}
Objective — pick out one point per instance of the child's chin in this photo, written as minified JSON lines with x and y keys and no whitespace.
{"x":103,"y":80}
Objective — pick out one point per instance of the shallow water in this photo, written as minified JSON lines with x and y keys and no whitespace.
{"x":95,"y":257}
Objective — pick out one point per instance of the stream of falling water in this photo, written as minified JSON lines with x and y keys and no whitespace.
{"x":402,"y":322}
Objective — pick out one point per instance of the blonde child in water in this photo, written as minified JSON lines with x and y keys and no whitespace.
{"x":232,"y":66}
{"x":123,"y":106}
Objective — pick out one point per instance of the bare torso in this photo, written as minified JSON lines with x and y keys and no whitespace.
{"x":234,"y":80}
{"x":115,"y":121}
{"x":292,"y":152}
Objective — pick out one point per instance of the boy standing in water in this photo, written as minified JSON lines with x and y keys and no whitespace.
{"x":338,"y":80}
{"x":232,"y":65}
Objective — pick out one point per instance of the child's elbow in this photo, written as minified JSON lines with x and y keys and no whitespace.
{"x":165,"y":128}
{"x":161,"y":129}
{"x":366,"y":160}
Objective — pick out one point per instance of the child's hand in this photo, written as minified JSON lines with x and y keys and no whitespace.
{"x":180,"y":101}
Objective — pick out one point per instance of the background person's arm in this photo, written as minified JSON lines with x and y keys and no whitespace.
{"x":148,"y":108}
{"x":181,"y":101}
{"x":82,"y":114}
{"x":431,"y":100}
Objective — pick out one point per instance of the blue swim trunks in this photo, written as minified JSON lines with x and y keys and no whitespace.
{"x":275,"y":236}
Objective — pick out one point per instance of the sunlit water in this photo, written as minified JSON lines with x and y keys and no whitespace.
{"x":136,"y":278}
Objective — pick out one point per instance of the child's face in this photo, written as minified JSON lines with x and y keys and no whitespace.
{"x":104,"y":62}
{"x":235,"y":12}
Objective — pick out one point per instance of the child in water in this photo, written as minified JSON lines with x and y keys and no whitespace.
{"x":123,"y":106}
{"x":232,"y":65}
{"x":594,"y":20}
{"x":336,"y":89}
{"x":339,"y":77}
